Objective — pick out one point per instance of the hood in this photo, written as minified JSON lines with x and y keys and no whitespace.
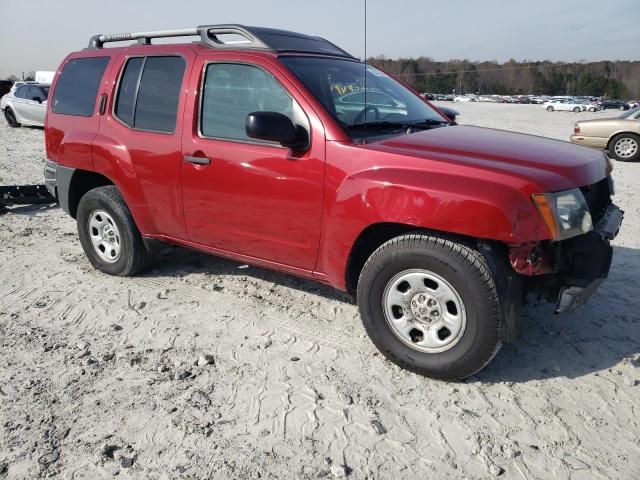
{"x":553,"y":164}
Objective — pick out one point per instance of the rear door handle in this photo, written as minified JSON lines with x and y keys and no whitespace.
{"x":103,"y":103}
{"x":197,"y":160}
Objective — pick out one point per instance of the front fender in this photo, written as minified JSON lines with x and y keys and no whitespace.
{"x":491,"y":207}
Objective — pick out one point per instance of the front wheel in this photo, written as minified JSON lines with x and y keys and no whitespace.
{"x":549,"y":108}
{"x":108,"y":234}
{"x":430,"y":305}
{"x":621,"y":108}
{"x":592,"y":109}
{"x":576,"y":109}
{"x":10,"y":117}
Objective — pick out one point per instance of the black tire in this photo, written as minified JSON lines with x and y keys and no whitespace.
{"x":134,"y":256}
{"x":576,"y":109}
{"x":592,"y":109}
{"x":467,"y":272}
{"x":549,"y":108}
{"x":625,"y":136}
{"x":10,"y":117}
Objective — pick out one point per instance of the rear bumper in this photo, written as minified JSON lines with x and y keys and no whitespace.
{"x":57,"y":179}
{"x":589,"y":262}
{"x":595,"y":142}
{"x":50,"y":177}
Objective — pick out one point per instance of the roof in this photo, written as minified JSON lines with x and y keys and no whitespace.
{"x":233,"y":36}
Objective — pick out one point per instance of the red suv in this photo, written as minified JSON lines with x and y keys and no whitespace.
{"x":282,"y":150}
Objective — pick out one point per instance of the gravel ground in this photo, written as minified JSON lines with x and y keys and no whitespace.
{"x":206,"y":368}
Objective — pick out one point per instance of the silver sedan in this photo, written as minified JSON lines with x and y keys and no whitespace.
{"x":26,"y":105}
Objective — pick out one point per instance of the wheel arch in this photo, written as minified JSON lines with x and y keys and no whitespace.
{"x":79,"y":183}
{"x":16,"y":116}
{"x":375,"y":235}
{"x":622,"y":132}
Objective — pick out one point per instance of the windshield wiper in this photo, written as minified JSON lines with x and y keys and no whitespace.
{"x":429,"y":122}
{"x":387,"y":125}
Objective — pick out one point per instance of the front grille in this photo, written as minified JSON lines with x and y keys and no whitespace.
{"x":598,"y":197}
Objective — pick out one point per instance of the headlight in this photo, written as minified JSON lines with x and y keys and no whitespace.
{"x":565,"y":213}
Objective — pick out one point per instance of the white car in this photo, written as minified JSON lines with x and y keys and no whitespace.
{"x":562,"y":105}
{"x":590,"y":107}
{"x":26,"y":105}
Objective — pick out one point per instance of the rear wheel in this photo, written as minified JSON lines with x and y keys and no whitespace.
{"x":625,"y":147}
{"x":576,"y":109}
{"x":10,"y":117}
{"x":549,"y":108}
{"x":108,"y":234}
{"x":430,"y":305}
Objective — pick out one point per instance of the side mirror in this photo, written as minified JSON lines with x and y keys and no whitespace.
{"x":449,"y":113}
{"x":37,"y":99}
{"x":276,"y":127}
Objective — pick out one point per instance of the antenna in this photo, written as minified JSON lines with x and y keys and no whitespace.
{"x":365,"y":71}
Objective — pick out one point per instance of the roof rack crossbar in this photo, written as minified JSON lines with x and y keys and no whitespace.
{"x":98,"y":41}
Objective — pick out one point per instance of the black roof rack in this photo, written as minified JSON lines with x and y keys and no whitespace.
{"x":250,"y":38}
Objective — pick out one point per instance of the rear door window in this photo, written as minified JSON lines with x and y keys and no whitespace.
{"x":36,"y":92}
{"x":126,"y":100}
{"x":77,"y":86}
{"x":149,"y":93}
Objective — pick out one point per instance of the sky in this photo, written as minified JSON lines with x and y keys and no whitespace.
{"x":38,"y":34}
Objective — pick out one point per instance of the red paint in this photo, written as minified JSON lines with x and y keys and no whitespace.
{"x":302,"y":212}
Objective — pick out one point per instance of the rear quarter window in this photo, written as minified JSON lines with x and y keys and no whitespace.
{"x":21,"y":92}
{"x":77,"y":86}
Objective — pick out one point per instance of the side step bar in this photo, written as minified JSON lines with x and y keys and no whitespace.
{"x":25,"y":195}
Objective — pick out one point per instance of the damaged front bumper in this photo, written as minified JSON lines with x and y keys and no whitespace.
{"x":587,"y":262}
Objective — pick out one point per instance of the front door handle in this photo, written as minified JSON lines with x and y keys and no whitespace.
{"x":197,"y":160}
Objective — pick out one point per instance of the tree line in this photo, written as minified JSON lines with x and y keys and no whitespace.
{"x":613,"y":79}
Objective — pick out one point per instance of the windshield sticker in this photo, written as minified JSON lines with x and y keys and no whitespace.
{"x":376,"y":72}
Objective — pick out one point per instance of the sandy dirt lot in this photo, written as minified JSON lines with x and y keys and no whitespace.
{"x":206,"y":368}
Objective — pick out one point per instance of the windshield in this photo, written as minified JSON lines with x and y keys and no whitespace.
{"x":631,"y":113}
{"x":366,"y":106}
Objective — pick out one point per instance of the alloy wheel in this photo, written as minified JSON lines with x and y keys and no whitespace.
{"x":626,"y":147}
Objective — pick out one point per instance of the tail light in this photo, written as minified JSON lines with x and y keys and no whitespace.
{"x":576,"y":129}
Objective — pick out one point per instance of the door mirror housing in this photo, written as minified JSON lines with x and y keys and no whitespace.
{"x":36,"y":99}
{"x":276,"y":127}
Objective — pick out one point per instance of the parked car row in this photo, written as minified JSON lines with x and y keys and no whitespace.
{"x":577,"y":103}
{"x":571,"y":105}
